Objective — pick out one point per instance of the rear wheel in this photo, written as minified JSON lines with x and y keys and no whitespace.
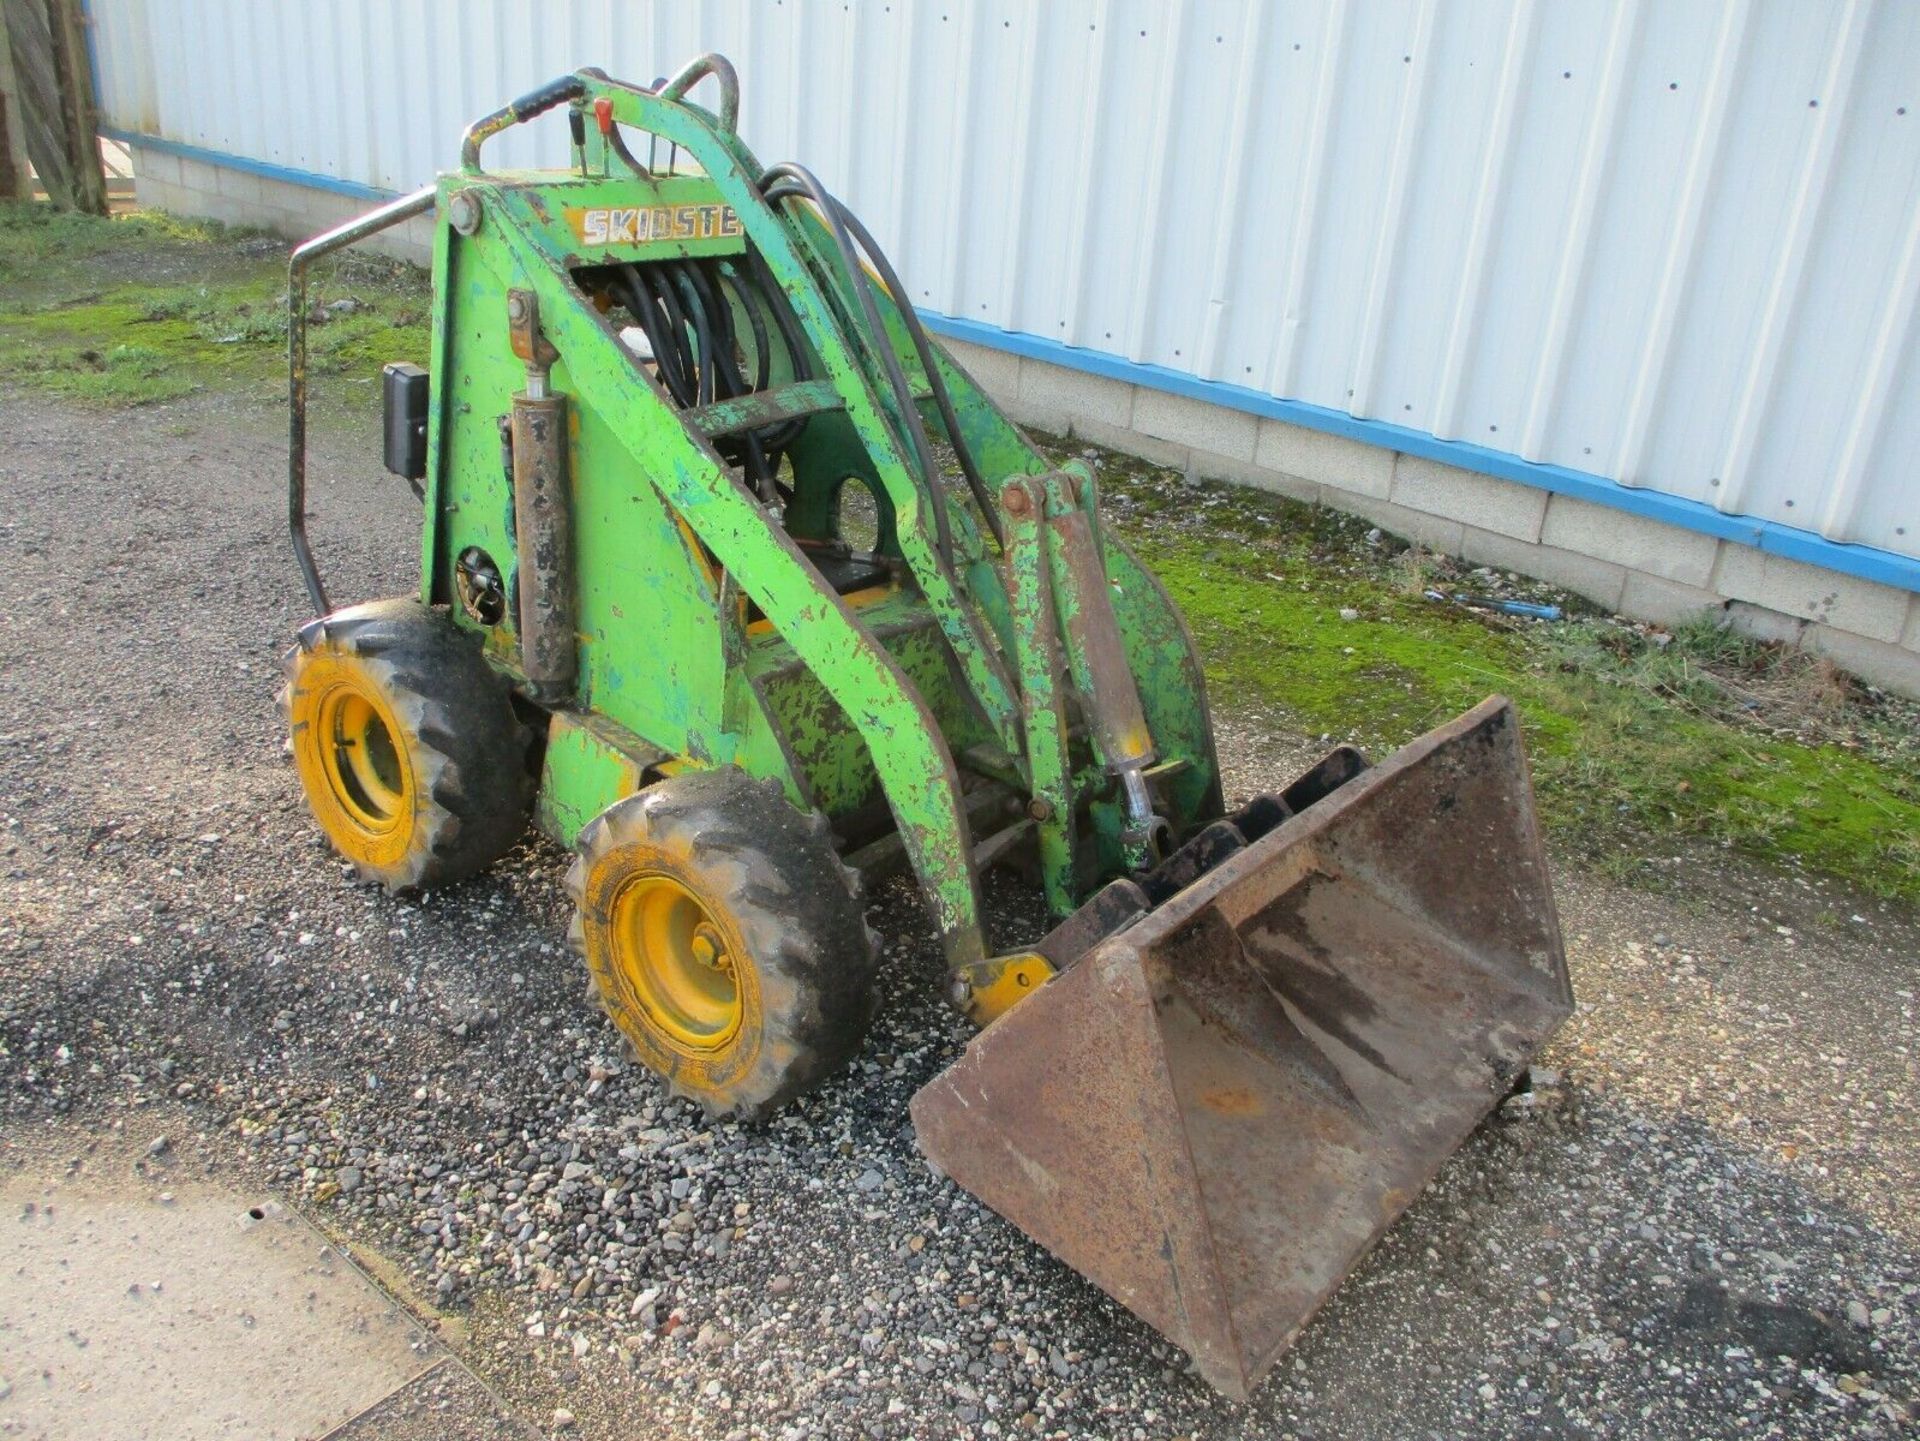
{"x":413,"y":762}
{"x":725,"y":939}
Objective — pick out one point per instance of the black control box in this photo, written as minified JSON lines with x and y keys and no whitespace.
{"x":403,"y":394}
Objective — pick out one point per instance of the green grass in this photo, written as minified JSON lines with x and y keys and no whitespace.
{"x":1632,"y":735}
{"x":128,"y":374}
{"x":145,"y":308}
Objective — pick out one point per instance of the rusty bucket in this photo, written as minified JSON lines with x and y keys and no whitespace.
{"x":1218,"y":1107}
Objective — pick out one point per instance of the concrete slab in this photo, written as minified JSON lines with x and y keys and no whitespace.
{"x":1600,"y":581}
{"x":1482,"y":501}
{"x":1682,"y":556}
{"x":997,"y":371}
{"x":1845,"y":602}
{"x":1664,"y":602}
{"x":1435,"y":532}
{"x":1340,"y":464}
{"x":1893,"y":667}
{"x":1047,"y":390}
{"x":1196,"y":424}
{"x":185,"y":1311}
{"x":1209,"y":466}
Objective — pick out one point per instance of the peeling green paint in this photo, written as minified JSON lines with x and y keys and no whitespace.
{"x":706,"y":636}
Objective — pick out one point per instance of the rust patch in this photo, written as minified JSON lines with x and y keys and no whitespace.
{"x":1231,"y":1101}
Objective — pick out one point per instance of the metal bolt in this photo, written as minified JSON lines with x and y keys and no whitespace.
{"x":1040,"y":809}
{"x":463,"y":210}
{"x":516,"y":307}
{"x":707,"y":949}
{"x":1016,"y":499}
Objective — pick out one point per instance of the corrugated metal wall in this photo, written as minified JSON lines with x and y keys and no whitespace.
{"x":1673,"y":244}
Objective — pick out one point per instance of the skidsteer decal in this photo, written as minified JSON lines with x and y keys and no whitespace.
{"x":617,"y":225}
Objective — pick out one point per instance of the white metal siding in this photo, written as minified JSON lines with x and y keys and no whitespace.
{"x":1677,"y":245}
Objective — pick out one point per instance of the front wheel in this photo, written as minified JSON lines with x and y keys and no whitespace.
{"x":413,"y":762}
{"x":725,"y":939}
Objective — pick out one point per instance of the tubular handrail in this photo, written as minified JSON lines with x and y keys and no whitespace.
{"x":573,"y":87}
{"x":374,"y":221}
{"x":534,"y":102}
{"x":696,"y":70}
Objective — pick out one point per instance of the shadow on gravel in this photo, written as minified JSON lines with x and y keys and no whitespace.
{"x":1711,"y":1317}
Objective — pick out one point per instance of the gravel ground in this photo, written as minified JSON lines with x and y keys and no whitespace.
{"x":446,"y":1402}
{"x":1700,"y":1223}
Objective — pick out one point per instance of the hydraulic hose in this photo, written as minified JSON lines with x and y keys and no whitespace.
{"x":910,"y":318}
{"x":683,"y":309}
{"x":788,"y":179}
{"x":730,"y":278}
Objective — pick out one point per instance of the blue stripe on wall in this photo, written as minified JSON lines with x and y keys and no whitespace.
{"x":270,"y":171}
{"x":1867,"y":562}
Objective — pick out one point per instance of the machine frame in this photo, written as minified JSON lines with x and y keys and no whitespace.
{"x":1028,"y":678}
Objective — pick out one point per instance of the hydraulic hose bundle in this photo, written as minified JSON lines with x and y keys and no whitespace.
{"x":789,"y":180}
{"x":690,"y":328}
{"x":686,"y":309}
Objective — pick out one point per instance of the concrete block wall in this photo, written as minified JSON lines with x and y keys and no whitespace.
{"x":1638,"y":567}
{"x":1635,"y":566}
{"x":186,"y":186}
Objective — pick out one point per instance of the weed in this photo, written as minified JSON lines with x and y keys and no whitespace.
{"x":125,"y":374}
{"x":1414,"y":570}
{"x":1710,"y":671}
{"x":172,"y":307}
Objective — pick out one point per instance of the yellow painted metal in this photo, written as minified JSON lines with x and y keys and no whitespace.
{"x":362,"y":762}
{"x":856,"y":600}
{"x":1008,"y":981}
{"x":352,"y":757}
{"x":677,"y":962}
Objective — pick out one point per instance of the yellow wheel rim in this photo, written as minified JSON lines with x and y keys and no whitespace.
{"x":362,"y":761}
{"x":677,"y":962}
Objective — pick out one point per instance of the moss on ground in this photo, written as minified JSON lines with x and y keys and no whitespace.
{"x":144,"y":308}
{"x":1633,"y":736}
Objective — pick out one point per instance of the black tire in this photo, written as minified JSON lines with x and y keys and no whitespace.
{"x":407,"y":746}
{"x":784,"y":932}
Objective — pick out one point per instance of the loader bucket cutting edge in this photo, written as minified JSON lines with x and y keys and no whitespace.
{"x":1214,"y":1112}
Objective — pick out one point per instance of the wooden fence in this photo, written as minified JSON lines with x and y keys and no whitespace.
{"x":47,"y":116}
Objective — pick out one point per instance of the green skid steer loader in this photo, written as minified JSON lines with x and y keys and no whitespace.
{"x":742,"y":589}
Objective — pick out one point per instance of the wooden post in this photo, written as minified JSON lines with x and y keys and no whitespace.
{"x":83,"y":116}
{"x":15,"y":182}
{"x":69,"y":33}
{"x":51,"y":102}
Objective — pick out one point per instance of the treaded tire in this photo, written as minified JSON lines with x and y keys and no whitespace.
{"x":784,"y":909}
{"x":448,"y":790}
